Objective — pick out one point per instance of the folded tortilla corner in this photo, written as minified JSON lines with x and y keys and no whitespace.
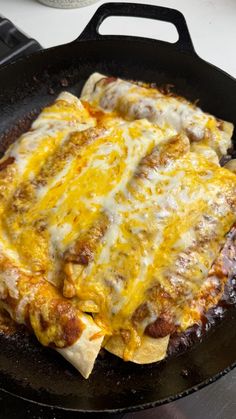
{"x":150,"y":350}
{"x":68,"y":97}
{"x":90,"y":84}
{"x":83,"y":353}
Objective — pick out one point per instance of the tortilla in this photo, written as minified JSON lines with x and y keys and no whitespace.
{"x":151,"y":350}
{"x":83,"y":353}
{"x":134,"y":101}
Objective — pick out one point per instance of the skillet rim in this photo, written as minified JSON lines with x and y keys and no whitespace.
{"x":136,"y":408}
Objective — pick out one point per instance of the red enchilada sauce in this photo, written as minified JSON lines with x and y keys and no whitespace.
{"x":181,"y":341}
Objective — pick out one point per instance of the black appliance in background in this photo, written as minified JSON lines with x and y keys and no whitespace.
{"x":14,"y":43}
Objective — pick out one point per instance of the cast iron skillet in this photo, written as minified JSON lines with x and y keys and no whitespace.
{"x":27,"y":369}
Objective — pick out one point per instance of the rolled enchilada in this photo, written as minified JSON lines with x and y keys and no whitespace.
{"x":29,"y":288}
{"x":137,"y":101}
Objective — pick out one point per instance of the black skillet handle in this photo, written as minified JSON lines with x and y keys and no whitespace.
{"x":91,"y":31}
{"x":13,"y":43}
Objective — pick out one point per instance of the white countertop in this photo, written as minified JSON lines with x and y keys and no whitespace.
{"x":212,"y":25}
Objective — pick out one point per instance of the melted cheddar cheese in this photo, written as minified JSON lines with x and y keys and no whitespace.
{"x":169,"y":224}
{"x":125,"y":217}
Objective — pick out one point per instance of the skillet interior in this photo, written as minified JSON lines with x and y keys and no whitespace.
{"x":27,"y":369}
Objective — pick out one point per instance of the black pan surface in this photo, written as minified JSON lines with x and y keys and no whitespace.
{"x":41,"y":375}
